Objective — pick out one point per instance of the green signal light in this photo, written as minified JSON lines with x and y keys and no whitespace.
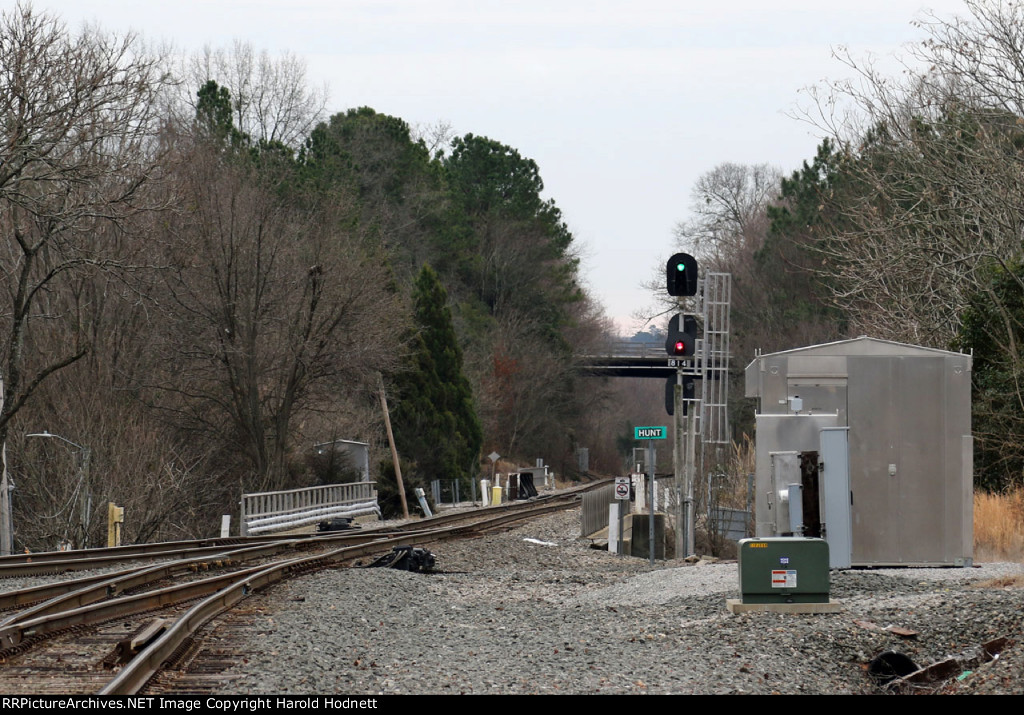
{"x":681,"y":273}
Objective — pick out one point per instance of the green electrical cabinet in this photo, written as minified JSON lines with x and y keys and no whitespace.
{"x":784,"y":570}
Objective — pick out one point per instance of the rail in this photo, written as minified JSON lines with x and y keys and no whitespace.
{"x":137,"y":673}
{"x":44,"y":632}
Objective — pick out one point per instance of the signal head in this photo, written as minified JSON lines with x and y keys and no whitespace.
{"x":681,"y":275}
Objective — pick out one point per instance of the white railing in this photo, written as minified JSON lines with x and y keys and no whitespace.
{"x":630,"y":349}
{"x":276,"y":511}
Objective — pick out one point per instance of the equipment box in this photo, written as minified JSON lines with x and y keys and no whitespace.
{"x":784,"y":570}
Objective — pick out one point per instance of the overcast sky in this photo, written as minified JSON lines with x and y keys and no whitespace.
{"x":621,"y":104}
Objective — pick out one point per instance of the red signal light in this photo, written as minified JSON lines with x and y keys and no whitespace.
{"x":681,"y":340}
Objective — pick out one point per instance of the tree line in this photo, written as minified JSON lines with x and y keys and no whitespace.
{"x":204,"y":275}
{"x":907,"y":224}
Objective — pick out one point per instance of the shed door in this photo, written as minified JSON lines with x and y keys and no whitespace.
{"x":896,"y":459}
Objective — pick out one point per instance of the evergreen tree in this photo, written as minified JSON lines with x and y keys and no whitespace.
{"x":213,"y":110}
{"x":511,"y":246}
{"x":436,"y":425}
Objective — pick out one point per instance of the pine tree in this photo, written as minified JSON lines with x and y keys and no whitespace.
{"x":436,"y":425}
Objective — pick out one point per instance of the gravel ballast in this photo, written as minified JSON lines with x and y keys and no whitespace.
{"x":506,"y":615}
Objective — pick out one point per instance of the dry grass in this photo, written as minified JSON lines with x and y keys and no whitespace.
{"x":737,"y":461}
{"x":1002,"y":582}
{"x":999,"y":526}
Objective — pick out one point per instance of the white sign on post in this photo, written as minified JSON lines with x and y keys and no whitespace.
{"x":622,"y":487}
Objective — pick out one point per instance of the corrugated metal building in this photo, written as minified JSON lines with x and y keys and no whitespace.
{"x":910,"y":451}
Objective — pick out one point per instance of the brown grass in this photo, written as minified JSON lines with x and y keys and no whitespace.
{"x":1002,"y":582}
{"x":738,"y":461}
{"x":999,"y":526}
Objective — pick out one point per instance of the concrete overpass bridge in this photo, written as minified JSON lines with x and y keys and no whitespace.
{"x":632,"y":359}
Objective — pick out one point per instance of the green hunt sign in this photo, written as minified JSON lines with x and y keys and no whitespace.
{"x":650,"y":432}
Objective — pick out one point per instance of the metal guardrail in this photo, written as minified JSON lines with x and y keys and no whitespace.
{"x":276,"y":511}
{"x":594,"y":515}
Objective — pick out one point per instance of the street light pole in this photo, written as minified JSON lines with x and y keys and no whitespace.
{"x":6,"y":519}
{"x":85,"y":493}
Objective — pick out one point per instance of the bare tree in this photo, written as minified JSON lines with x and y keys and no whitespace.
{"x":927,"y":243}
{"x":933,"y":175}
{"x":728,"y":213}
{"x":271,"y":98}
{"x":276,"y":312}
{"x":436,"y":137}
{"x":169,"y":487}
{"x":77,"y":148}
{"x":728,"y":230}
{"x":727,"y":224}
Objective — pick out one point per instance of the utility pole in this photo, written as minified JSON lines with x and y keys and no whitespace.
{"x":394,"y":450}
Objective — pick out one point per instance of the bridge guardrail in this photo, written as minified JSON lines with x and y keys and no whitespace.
{"x":275,"y":511}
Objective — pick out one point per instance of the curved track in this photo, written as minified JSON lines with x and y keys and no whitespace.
{"x":132,"y":621}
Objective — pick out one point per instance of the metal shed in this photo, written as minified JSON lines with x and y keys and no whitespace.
{"x":902,"y":414}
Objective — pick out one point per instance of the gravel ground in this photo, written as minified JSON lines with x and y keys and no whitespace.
{"x":506,"y":615}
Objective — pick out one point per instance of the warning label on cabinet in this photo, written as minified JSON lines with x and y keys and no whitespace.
{"x":784,"y":578}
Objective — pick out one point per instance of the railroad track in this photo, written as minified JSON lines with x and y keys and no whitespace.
{"x":111,"y":633}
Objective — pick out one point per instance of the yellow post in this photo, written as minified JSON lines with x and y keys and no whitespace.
{"x":115,"y":517}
